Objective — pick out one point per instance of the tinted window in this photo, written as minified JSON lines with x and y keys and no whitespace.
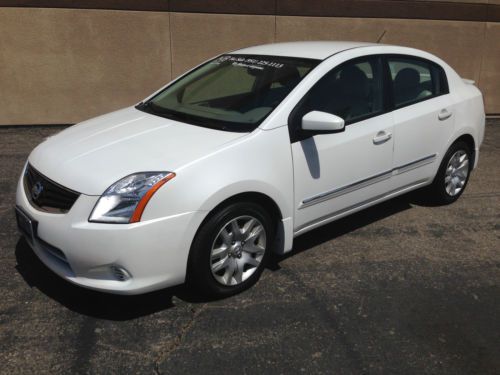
{"x":352,"y":91}
{"x":232,"y":92}
{"x":440,"y":80}
{"x":414,"y":80}
{"x":225,"y":82}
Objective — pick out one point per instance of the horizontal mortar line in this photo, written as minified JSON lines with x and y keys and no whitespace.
{"x":416,"y":9}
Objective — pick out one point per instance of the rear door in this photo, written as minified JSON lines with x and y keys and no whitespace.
{"x":423,"y":118}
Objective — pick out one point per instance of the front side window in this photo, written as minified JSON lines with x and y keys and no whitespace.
{"x":352,"y":91}
{"x":415,"y":80}
{"x":232,"y":92}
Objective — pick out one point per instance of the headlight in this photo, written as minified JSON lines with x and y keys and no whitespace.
{"x":125,"y":200}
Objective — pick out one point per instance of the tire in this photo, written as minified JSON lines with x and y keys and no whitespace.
{"x":442,"y":191}
{"x":225,"y":258}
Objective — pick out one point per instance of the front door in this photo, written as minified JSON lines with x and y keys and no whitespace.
{"x":335,"y":173}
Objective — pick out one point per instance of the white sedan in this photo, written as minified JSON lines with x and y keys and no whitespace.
{"x":205,"y":178}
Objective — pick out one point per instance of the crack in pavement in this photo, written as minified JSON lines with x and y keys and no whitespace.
{"x":176,"y":342}
{"x":114,"y":349}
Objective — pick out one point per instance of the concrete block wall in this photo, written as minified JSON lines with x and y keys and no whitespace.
{"x":63,"y":65}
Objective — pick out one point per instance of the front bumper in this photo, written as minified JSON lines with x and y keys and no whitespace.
{"x":116,"y":258}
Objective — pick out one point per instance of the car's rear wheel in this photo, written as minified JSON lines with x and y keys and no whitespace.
{"x":230,"y":250}
{"x":453,"y":174}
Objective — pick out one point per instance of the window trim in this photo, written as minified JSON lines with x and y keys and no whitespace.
{"x":388,"y":102}
{"x":432,"y":65}
{"x":298,"y":134}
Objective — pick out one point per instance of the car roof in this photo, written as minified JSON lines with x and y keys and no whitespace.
{"x":312,"y":50}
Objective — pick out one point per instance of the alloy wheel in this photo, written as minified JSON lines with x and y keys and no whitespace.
{"x":238,"y":250}
{"x":456,"y":173}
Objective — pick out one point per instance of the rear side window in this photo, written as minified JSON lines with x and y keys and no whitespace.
{"x":415,"y":80}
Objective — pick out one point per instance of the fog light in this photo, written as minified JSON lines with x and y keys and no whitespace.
{"x":120,"y":273}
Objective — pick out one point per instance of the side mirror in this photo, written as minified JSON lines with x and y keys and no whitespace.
{"x":322,"y":122}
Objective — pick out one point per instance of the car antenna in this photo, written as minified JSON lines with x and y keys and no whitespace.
{"x":381,"y":36}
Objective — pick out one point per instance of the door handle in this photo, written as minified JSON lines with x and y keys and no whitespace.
{"x":381,"y":137}
{"x":444,"y":114}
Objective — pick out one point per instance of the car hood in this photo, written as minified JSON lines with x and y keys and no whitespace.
{"x":91,"y":156}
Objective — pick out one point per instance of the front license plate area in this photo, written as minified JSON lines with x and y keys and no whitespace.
{"x":27,"y":225}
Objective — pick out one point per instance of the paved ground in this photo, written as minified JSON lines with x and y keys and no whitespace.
{"x":399,"y":288}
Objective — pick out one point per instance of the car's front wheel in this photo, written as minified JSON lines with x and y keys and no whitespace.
{"x":453,"y":174}
{"x":230,"y":250}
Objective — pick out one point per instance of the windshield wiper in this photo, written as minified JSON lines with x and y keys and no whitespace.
{"x":154,"y":109}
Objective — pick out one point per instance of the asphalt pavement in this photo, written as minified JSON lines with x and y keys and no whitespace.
{"x":401,"y":288}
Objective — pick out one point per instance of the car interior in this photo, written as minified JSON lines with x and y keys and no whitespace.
{"x":352,"y":91}
{"x":349,"y":93}
{"x":408,"y":88}
{"x":268,"y":91}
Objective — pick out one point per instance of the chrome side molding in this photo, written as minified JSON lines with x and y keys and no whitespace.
{"x":336,"y":214}
{"x":414,"y":164}
{"x":330,"y":194}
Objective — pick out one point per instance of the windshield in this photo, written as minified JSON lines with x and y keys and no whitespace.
{"x":231,"y":92}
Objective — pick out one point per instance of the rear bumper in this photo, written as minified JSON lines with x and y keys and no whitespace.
{"x":116,"y":258}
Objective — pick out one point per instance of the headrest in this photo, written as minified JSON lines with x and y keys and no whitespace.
{"x":407,"y":77}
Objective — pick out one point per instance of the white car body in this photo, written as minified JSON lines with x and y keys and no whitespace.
{"x":350,"y":172}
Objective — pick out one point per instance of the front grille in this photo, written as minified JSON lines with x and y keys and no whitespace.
{"x":47,"y":195}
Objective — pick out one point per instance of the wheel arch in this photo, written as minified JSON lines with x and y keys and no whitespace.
{"x":264,"y":200}
{"x":283,"y":232}
{"x":469,"y":140}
